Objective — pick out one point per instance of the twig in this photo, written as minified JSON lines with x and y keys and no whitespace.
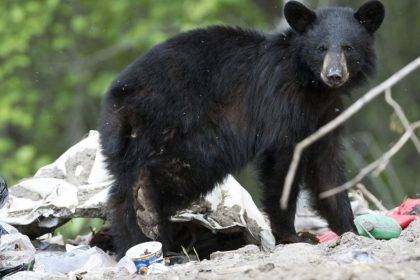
{"x":185,"y":253}
{"x":196,"y":254}
{"x":403,"y":118}
{"x":383,"y":160}
{"x":353,"y":109}
{"x":365,"y":229}
{"x":369,"y":196}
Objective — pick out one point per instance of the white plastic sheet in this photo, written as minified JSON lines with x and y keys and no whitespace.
{"x":15,"y":249}
{"x":77,"y":183}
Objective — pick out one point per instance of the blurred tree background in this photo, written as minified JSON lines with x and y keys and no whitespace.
{"x":57,"y":59}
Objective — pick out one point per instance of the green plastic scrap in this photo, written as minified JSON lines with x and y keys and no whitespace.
{"x":377,"y":226}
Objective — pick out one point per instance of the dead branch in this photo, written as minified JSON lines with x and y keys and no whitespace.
{"x":383,"y":160}
{"x":403,"y":118}
{"x":369,"y":196}
{"x":340,"y":119}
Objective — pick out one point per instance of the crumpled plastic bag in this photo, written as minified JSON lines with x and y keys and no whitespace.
{"x":15,"y":248}
{"x":6,"y":228}
{"x":128,"y":264}
{"x":231,"y":210}
{"x":75,"y":185}
{"x":80,"y":258}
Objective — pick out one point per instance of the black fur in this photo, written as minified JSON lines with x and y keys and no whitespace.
{"x":205,"y":103}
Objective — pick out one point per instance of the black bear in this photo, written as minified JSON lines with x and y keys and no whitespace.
{"x":207,"y":102}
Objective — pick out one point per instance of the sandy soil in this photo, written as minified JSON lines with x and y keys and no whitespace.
{"x":352,"y":257}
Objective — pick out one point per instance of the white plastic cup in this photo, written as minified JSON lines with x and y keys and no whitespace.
{"x":145,"y":254}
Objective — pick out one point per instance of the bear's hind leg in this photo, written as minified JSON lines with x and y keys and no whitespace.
{"x":124,"y":229}
{"x":173,"y":184}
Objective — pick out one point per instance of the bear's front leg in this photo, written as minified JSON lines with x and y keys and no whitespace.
{"x":273,"y":167}
{"x":326,"y":171}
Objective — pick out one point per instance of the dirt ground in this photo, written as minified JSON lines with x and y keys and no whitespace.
{"x":352,"y":257}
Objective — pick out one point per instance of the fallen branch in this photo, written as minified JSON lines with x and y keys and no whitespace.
{"x":353,"y":109}
{"x":403,"y":118}
{"x":383,"y":160}
{"x":369,"y":196}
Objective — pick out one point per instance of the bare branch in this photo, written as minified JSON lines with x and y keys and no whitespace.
{"x":383,"y":160}
{"x":403,"y":118}
{"x":353,"y":109}
{"x":369,"y":196}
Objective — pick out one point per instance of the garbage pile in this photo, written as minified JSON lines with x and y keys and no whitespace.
{"x":76,"y":185}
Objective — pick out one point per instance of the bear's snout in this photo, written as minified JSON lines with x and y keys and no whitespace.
{"x":334,"y":71}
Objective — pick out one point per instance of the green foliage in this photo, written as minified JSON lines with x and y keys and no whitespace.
{"x":79,"y":226}
{"x":59,"y":57}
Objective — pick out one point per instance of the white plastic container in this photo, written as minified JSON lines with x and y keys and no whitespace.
{"x":145,"y":254}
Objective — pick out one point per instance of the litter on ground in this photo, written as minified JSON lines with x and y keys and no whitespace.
{"x":76,"y":185}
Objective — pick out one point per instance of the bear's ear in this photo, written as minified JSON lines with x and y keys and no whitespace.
{"x":298,"y":16}
{"x":371,"y":15}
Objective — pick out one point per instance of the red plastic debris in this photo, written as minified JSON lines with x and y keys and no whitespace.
{"x":405,"y":213}
{"x":328,"y":236}
{"x":407,"y":207}
{"x":403,"y":220}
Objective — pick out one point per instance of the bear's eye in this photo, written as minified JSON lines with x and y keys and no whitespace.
{"x":322,"y":48}
{"x":347,"y":48}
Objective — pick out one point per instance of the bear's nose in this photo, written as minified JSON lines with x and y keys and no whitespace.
{"x":335,"y":78}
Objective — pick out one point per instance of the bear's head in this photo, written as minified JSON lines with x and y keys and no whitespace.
{"x":335,"y":43}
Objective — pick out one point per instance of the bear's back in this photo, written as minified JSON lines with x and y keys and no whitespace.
{"x":190,"y":57}
{"x":183,"y":76}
